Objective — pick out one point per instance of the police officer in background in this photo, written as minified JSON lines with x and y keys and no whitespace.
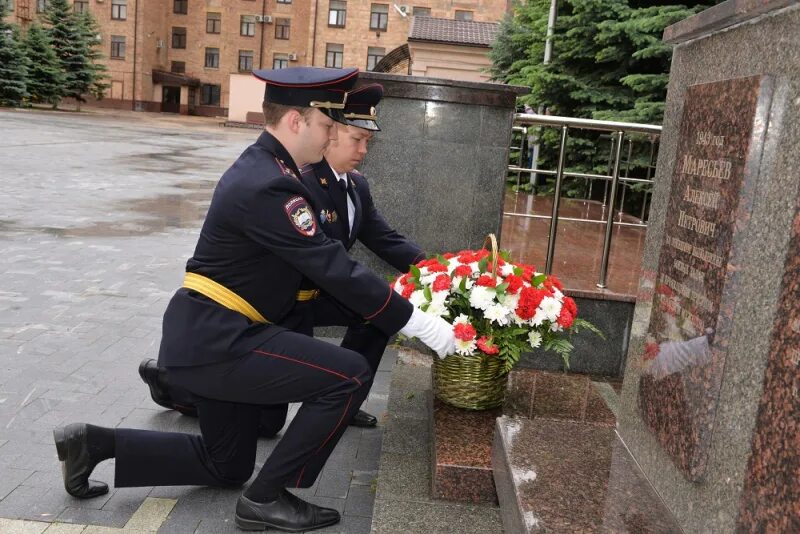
{"x":259,"y":242}
{"x":346,"y":213}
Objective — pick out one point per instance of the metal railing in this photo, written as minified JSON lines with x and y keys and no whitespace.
{"x":618,"y":131}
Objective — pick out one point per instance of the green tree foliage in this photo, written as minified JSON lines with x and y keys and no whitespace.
{"x":89,"y":31}
{"x":72,"y":49}
{"x":13,"y":63}
{"x":46,"y":80}
{"x":608,"y":62}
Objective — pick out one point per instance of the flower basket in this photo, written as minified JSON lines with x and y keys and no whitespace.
{"x":472,"y":382}
{"x":498,"y":309}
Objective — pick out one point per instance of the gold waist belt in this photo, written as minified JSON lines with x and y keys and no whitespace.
{"x":225,"y":297}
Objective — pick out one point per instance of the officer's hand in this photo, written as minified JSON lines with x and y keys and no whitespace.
{"x":431,"y":330}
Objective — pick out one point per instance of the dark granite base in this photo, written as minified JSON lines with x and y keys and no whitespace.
{"x":461,"y":440}
{"x":564,"y":476}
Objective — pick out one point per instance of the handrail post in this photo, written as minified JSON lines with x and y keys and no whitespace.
{"x":551,"y":239}
{"x":610,"y":213}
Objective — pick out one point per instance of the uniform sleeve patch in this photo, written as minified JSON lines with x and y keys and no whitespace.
{"x":301,"y":216}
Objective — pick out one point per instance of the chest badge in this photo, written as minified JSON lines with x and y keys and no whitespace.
{"x":328,"y":216}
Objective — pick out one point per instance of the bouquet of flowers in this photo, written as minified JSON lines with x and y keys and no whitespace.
{"x":499,"y":309}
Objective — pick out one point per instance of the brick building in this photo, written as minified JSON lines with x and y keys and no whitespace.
{"x":178,"y":55}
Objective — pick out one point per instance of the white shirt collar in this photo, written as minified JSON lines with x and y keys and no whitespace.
{"x":339,"y":177}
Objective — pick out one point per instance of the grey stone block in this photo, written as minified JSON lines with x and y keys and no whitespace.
{"x":360,"y":501}
{"x":424,"y":518}
{"x":90,"y":516}
{"x":452,"y":123}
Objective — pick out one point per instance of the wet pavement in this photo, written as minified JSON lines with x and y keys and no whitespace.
{"x":98,"y":215}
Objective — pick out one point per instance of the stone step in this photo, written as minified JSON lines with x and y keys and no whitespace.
{"x":568,"y":476}
{"x":461,"y":460}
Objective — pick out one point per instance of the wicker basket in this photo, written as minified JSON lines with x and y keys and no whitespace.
{"x":475,"y":382}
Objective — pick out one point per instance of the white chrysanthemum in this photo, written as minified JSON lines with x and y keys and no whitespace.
{"x":506,"y":269}
{"x":535,"y":339}
{"x":481,"y":297}
{"x":558,"y":294}
{"x":497,"y":313}
{"x":510,"y":301}
{"x":398,"y":286}
{"x":417,"y":298}
{"x":551,"y":308}
{"x":438,"y":308}
{"x":538,"y":318}
{"x":474,"y":267}
{"x":428,"y":279}
{"x":465,"y":348}
{"x":452,"y":263}
{"x":439,"y":296}
{"x":461,"y":319}
{"x":555,"y":327}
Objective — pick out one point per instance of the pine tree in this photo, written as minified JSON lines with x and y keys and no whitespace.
{"x":72,"y":50}
{"x":46,"y":80}
{"x":89,"y":31}
{"x":13,"y":63}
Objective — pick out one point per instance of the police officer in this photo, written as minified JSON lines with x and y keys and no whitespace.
{"x":260,"y":240}
{"x":348,"y":213}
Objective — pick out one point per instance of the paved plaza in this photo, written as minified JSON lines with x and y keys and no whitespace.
{"x":98,"y":214}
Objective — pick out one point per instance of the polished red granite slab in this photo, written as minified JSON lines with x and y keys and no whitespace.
{"x":716,"y":175}
{"x":565,"y":476}
{"x":462,"y":439}
{"x":770,"y":500}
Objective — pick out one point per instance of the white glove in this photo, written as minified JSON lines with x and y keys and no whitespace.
{"x":431,"y":330}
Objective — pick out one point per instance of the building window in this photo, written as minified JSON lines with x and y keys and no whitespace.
{"x":463,"y":15}
{"x":284,"y":1}
{"x":81,"y":6}
{"x":280,"y":61}
{"x":178,"y":37}
{"x":41,"y":6}
{"x":379,"y":17}
{"x":245,"y":60}
{"x":117,"y":47}
{"x":212,"y":58}
{"x":9,"y":5}
{"x":282,"y":28}
{"x":337,"y":13}
{"x":374,"y":55}
{"x":334,"y":55}
{"x":421,"y":11}
{"x":213,"y":22}
{"x":119,"y":9}
{"x":209,"y":94}
{"x":181,"y":7}
{"x":178,"y":67}
{"x":248,"y":25}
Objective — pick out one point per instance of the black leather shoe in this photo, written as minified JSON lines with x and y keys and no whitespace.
{"x":73,"y":451}
{"x":363,"y":419}
{"x":152,"y":376}
{"x":288,"y":512}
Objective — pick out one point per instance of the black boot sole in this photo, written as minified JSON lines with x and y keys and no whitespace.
{"x":255,"y":525}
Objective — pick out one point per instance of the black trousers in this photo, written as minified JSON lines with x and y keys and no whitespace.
{"x":331,"y":383}
{"x":360,"y":337}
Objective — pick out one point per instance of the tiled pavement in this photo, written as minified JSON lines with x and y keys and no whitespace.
{"x":97,"y":216}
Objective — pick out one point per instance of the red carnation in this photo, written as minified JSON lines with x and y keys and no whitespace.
{"x":485,"y":344}
{"x":651,"y":350}
{"x":462,"y":270}
{"x":482,"y":253}
{"x":529,"y":300}
{"x":442,"y":283}
{"x":437,"y":267}
{"x":464,"y":331}
{"x":407,"y":290}
{"x":565,"y":318}
{"x":486,"y":281}
{"x":404,"y":278}
{"x":515,"y":283}
{"x":569,"y":304}
{"x":552,"y":282}
{"x":467,"y":256}
{"x":448,"y":255}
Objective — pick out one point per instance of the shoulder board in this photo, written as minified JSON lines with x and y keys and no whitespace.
{"x":285,"y":168}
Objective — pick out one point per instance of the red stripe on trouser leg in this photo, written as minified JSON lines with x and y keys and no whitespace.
{"x":347,"y":407}
{"x":340,"y":375}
